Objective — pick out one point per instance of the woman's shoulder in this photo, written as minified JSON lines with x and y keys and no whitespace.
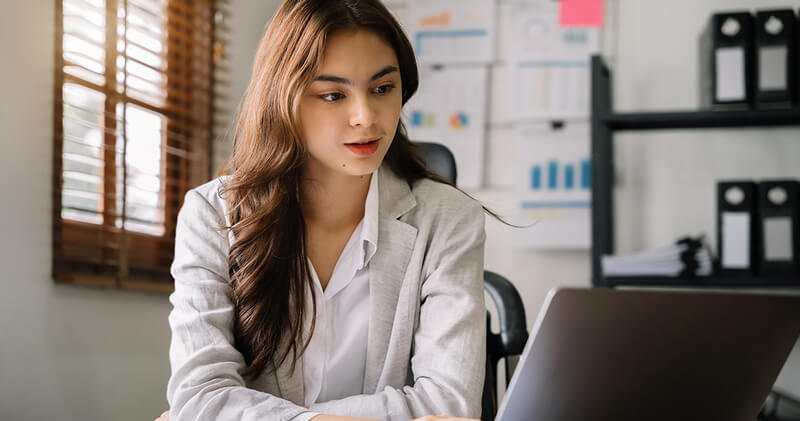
{"x":211,"y":192}
{"x":442,"y":199}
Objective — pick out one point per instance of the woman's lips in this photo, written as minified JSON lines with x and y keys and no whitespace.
{"x":363,"y":148}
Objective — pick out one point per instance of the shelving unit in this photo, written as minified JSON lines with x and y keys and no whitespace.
{"x":605,"y":122}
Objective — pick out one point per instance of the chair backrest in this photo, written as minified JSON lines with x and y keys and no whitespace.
{"x":439,"y":160}
{"x":510,"y":341}
{"x":505,"y":345}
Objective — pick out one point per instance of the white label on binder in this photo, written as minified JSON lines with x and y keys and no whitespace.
{"x":772,"y":68}
{"x":735,"y":240}
{"x":730,"y":74}
{"x":778,"y":239}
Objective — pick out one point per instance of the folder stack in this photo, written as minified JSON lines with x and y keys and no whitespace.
{"x":687,"y":258}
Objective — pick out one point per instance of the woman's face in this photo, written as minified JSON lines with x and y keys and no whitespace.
{"x":349,"y":113}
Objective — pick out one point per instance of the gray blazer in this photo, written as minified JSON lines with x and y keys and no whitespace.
{"x":427,"y":328}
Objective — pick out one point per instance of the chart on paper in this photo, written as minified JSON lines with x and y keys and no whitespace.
{"x":553,"y":186}
{"x":453,"y":31}
{"x":548,"y":63}
{"x":449,"y":108}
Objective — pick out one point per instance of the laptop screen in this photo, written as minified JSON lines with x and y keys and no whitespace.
{"x":657,"y":355}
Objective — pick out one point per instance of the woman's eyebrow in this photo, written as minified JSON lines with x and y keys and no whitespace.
{"x":338,"y":79}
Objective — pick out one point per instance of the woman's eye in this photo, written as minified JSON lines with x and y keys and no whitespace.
{"x":384,"y":89}
{"x":332,"y":97}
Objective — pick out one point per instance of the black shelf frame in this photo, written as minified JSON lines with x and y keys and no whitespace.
{"x":604,"y":122}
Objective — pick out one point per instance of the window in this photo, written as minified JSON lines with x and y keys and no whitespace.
{"x":134,"y":110}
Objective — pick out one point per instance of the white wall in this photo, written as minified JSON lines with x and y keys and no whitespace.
{"x":248,"y":20}
{"x":78,"y":353}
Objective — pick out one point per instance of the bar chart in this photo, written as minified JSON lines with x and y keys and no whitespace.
{"x":553,"y":186}
{"x":561,"y":175}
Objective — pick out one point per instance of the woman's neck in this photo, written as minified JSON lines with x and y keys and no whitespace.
{"x":335,"y":200}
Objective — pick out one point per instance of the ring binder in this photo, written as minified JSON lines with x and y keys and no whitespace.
{"x":736,"y":227}
{"x":726,"y":61}
{"x":779,"y":225}
{"x":776,"y":56}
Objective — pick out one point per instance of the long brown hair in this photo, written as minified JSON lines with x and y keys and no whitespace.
{"x":269,"y":273}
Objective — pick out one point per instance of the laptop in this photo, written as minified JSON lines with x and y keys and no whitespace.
{"x":605,"y":354}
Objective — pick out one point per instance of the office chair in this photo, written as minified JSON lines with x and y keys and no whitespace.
{"x":438,"y":159}
{"x":510,"y":341}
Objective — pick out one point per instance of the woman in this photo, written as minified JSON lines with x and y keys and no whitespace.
{"x":329,"y":276}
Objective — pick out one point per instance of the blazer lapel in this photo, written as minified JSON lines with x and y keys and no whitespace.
{"x":387,"y":270}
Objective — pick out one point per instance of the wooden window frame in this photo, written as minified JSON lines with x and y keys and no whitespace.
{"x":120,"y":258}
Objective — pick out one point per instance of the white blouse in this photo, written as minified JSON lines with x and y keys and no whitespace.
{"x":335,"y":360}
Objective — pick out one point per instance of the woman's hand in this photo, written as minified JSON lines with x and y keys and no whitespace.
{"x":164,"y":416}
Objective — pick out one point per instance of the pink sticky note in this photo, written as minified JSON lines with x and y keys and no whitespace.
{"x":581,"y":13}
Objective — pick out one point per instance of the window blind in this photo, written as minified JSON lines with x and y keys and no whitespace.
{"x":134,"y":122}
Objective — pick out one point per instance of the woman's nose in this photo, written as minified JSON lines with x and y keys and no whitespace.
{"x":363,"y":113}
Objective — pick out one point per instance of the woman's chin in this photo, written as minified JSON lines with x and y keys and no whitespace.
{"x":360,"y":168}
